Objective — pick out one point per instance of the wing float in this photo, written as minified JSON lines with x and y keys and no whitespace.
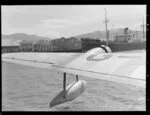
{"x":98,"y":63}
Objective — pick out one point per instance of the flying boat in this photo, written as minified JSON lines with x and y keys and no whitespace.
{"x":98,"y":63}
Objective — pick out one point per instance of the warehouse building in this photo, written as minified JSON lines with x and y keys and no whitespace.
{"x":8,"y":46}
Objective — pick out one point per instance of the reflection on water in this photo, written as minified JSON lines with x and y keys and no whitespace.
{"x":63,"y":108}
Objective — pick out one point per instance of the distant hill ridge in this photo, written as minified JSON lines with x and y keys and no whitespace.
{"x":112,"y":34}
{"x":92,"y":35}
{"x":22,"y":36}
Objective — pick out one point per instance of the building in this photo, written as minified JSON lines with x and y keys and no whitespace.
{"x":65,"y":44}
{"x":42,"y":46}
{"x":72,"y":44}
{"x":9,"y":45}
{"x":26,"y":46}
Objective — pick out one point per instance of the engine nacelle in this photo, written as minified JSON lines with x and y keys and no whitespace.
{"x":98,"y":50}
{"x":72,"y":91}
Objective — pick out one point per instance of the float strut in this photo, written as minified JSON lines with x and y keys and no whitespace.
{"x":76,"y":77}
{"x":64,"y":82}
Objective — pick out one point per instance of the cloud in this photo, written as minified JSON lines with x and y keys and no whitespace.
{"x":68,"y":20}
{"x":56,"y":23}
{"x":50,"y":34}
{"x":62,"y":27}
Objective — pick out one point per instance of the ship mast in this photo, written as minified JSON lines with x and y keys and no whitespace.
{"x":106,"y":21}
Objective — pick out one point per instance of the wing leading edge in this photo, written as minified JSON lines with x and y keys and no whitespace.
{"x":124,"y":68}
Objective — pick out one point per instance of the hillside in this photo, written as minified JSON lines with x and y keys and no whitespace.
{"x":92,"y":35}
{"x":22,"y":36}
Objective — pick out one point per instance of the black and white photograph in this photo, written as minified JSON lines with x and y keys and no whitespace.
{"x":73,"y":57}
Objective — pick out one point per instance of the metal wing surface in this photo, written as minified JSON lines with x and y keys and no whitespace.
{"x":127,"y":68}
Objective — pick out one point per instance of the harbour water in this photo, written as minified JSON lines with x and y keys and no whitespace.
{"x":26,"y":88}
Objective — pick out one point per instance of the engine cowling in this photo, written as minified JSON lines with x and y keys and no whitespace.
{"x":106,"y":48}
{"x":99,"y":50}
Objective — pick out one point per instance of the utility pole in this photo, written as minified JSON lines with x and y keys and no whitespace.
{"x":142,"y":26}
{"x":106,"y":21}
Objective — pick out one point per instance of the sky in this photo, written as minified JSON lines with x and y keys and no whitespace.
{"x":55,"y":21}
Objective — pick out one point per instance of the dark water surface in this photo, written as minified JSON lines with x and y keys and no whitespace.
{"x":26,"y":88}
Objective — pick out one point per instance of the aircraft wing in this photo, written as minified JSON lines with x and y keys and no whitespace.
{"x":127,"y":68}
